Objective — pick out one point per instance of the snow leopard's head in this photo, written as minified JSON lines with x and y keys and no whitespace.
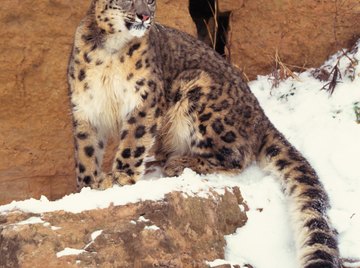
{"x":132,"y":16}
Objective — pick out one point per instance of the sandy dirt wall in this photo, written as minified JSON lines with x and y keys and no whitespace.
{"x":36,"y":145}
{"x":304,"y":33}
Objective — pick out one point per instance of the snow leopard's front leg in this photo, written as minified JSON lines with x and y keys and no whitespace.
{"x":89,"y":151}
{"x":137,"y":137}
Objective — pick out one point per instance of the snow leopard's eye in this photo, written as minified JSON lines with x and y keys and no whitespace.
{"x":150,"y":2}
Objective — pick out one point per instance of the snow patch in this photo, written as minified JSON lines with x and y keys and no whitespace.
{"x":88,"y":199}
{"x":151,"y":228}
{"x":219,"y":262}
{"x":69,"y":251}
{"x":31,"y":220}
{"x":142,"y":219}
{"x":93,"y":236}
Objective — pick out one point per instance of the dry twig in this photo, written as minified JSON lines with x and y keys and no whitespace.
{"x":336,"y":77}
{"x":213,"y":34}
{"x":281,"y":71}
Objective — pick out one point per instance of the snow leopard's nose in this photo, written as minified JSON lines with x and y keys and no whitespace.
{"x":143,"y":17}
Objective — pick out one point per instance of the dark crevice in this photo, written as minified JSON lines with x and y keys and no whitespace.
{"x":222,"y":37}
{"x":201,"y":11}
{"x":204,"y":13}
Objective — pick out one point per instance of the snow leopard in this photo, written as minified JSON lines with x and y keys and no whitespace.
{"x":164,"y":92}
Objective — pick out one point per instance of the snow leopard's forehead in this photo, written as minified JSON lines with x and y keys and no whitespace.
{"x":127,"y":5}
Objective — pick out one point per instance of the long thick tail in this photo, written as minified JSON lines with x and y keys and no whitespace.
{"x":316,"y":240}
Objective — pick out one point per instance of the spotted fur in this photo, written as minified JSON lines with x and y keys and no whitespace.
{"x":161,"y":90}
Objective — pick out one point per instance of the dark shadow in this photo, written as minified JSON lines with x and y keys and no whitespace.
{"x":203,"y":14}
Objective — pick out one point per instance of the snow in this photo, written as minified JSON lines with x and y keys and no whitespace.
{"x":31,"y":220}
{"x":151,"y":228}
{"x":143,"y":219}
{"x":267,"y":230}
{"x":324,"y":129}
{"x":321,"y":126}
{"x":69,"y":251}
{"x":218,"y":262}
{"x":352,"y":264}
{"x":190,"y":183}
{"x":94,"y":235}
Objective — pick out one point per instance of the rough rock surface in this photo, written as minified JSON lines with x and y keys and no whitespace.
{"x":176,"y":232}
{"x":36,"y":148}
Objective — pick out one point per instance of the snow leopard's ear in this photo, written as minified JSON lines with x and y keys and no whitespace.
{"x":92,"y":7}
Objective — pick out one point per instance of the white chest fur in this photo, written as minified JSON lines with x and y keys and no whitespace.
{"x":109,"y":96}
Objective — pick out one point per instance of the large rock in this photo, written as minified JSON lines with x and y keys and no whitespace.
{"x":36,"y":147}
{"x":176,"y":232}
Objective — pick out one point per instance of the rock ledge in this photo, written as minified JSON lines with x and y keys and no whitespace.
{"x":179,"y":231}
